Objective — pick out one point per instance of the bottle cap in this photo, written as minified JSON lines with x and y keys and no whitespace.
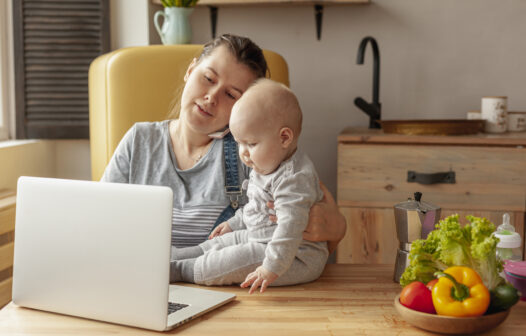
{"x":511,"y":240}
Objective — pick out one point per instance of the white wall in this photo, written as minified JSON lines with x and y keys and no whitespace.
{"x":129,"y":22}
{"x":438,"y":58}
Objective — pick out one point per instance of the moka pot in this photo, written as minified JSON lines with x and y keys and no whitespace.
{"x":414,"y":220}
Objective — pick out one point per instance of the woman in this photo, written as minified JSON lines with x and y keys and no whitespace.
{"x":181,"y":154}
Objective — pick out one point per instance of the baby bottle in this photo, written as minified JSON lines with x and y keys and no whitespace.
{"x":510,"y":241}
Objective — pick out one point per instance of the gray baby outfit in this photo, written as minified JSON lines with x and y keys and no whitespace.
{"x":256,"y":241}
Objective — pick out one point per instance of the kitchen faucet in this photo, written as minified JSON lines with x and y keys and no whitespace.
{"x":374,"y":109}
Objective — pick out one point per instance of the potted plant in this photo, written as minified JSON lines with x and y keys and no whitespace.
{"x":178,"y":3}
{"x":176,"y":27}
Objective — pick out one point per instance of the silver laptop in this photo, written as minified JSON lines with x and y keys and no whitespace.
{"x":101,"y":251}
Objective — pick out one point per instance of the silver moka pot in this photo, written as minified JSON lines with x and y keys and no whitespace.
{"x":414,"y":220}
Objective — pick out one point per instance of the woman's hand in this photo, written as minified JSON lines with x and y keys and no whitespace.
{"x":221,"y":229}
{"x":326,"y":223}
{"x":260,"y":277}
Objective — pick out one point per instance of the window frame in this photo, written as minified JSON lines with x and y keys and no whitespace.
{"x":6,"y":72}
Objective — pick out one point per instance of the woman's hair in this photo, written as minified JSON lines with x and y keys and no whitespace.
{"x":244,"y":50}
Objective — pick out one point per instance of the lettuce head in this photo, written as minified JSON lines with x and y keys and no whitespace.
{"x":452,"y":244}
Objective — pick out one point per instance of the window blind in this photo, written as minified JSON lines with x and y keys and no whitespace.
{"x":55,"y":42}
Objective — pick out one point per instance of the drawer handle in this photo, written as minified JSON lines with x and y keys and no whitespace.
{"x":432,"y":178}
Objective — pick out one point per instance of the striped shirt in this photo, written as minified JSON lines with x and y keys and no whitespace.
{"x":145,"y":156}
{"x":192,"y":226}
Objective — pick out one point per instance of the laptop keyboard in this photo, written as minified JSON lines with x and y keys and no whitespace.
{"x":173,"y":307}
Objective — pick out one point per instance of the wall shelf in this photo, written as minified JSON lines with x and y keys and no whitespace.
{"x":318,"y":7}
{"x":279,"y":2}
{"x":220,"y":3}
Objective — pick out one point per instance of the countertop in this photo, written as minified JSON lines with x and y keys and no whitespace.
{"x":377,"y":136}
{"x":347,"y":300}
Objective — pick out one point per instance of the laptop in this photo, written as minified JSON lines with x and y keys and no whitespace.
{"x":101,"y":251}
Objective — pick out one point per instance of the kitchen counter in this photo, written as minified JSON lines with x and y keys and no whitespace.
{"x":346,"y":300}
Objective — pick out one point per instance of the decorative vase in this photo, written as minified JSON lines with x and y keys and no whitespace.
{"x":176,"y":27}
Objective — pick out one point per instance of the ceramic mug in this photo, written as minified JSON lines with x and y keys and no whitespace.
{"x":516,"y":121}
{"x":494,"y":111}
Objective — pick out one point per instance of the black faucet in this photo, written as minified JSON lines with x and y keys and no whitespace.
{"x":374,"y":109}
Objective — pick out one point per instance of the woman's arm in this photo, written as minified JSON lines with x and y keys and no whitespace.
{"x":326,"y":223}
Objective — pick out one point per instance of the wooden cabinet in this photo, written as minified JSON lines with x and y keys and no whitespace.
{"x":373,"y":169}
{"x":7,"y":235}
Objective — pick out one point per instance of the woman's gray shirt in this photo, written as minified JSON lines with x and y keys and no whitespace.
{"x":145,"y":156}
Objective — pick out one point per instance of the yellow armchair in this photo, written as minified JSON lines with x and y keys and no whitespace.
{"x":140,"y":84}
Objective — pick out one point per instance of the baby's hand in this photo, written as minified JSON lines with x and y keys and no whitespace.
{"x":260,"y":277}
{"x":221,"y":229}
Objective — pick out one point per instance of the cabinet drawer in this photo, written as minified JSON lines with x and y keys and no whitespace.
{"x":487,"y":178}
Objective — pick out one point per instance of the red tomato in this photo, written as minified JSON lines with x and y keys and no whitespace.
{"x":431,"y":283}
{"x":417,"y":296}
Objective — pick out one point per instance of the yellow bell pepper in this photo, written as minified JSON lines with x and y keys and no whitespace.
{"x":460,"y":292}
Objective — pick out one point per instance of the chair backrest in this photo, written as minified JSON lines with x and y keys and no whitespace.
{"x":140,"y":84}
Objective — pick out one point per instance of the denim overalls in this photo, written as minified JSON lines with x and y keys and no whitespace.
{"x":232,"y":185}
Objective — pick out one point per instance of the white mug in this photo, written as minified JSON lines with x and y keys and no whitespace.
{"x":516,"y":121}
{"x":494,"y":111}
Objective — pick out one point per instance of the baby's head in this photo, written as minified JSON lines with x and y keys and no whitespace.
{"x":266,"y":123}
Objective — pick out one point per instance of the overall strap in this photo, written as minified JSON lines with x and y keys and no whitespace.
{"x":232,"y":185}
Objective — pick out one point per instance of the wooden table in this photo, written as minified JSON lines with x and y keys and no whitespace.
{"x":346,"y":300}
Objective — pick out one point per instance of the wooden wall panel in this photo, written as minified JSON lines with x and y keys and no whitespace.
{"x":7,"y":235}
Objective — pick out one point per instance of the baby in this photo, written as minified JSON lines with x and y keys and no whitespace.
{"x":249,"y":248}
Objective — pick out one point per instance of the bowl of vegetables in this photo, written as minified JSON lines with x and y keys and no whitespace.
{"x":450,"y":324}
{"x":453,"y":284}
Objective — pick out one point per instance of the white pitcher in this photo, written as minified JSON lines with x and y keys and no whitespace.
{"x":176,"y":27}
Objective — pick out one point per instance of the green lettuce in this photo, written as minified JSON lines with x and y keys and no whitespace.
{"x":451,"y":244}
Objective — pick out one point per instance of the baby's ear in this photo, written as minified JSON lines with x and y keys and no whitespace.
{"x":286,"y":136}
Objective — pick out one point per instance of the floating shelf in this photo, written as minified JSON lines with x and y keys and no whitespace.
{"x":274,"y":2}
{"x":318,"y":7}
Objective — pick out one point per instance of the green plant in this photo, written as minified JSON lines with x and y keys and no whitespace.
{"x":179,"y":3}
